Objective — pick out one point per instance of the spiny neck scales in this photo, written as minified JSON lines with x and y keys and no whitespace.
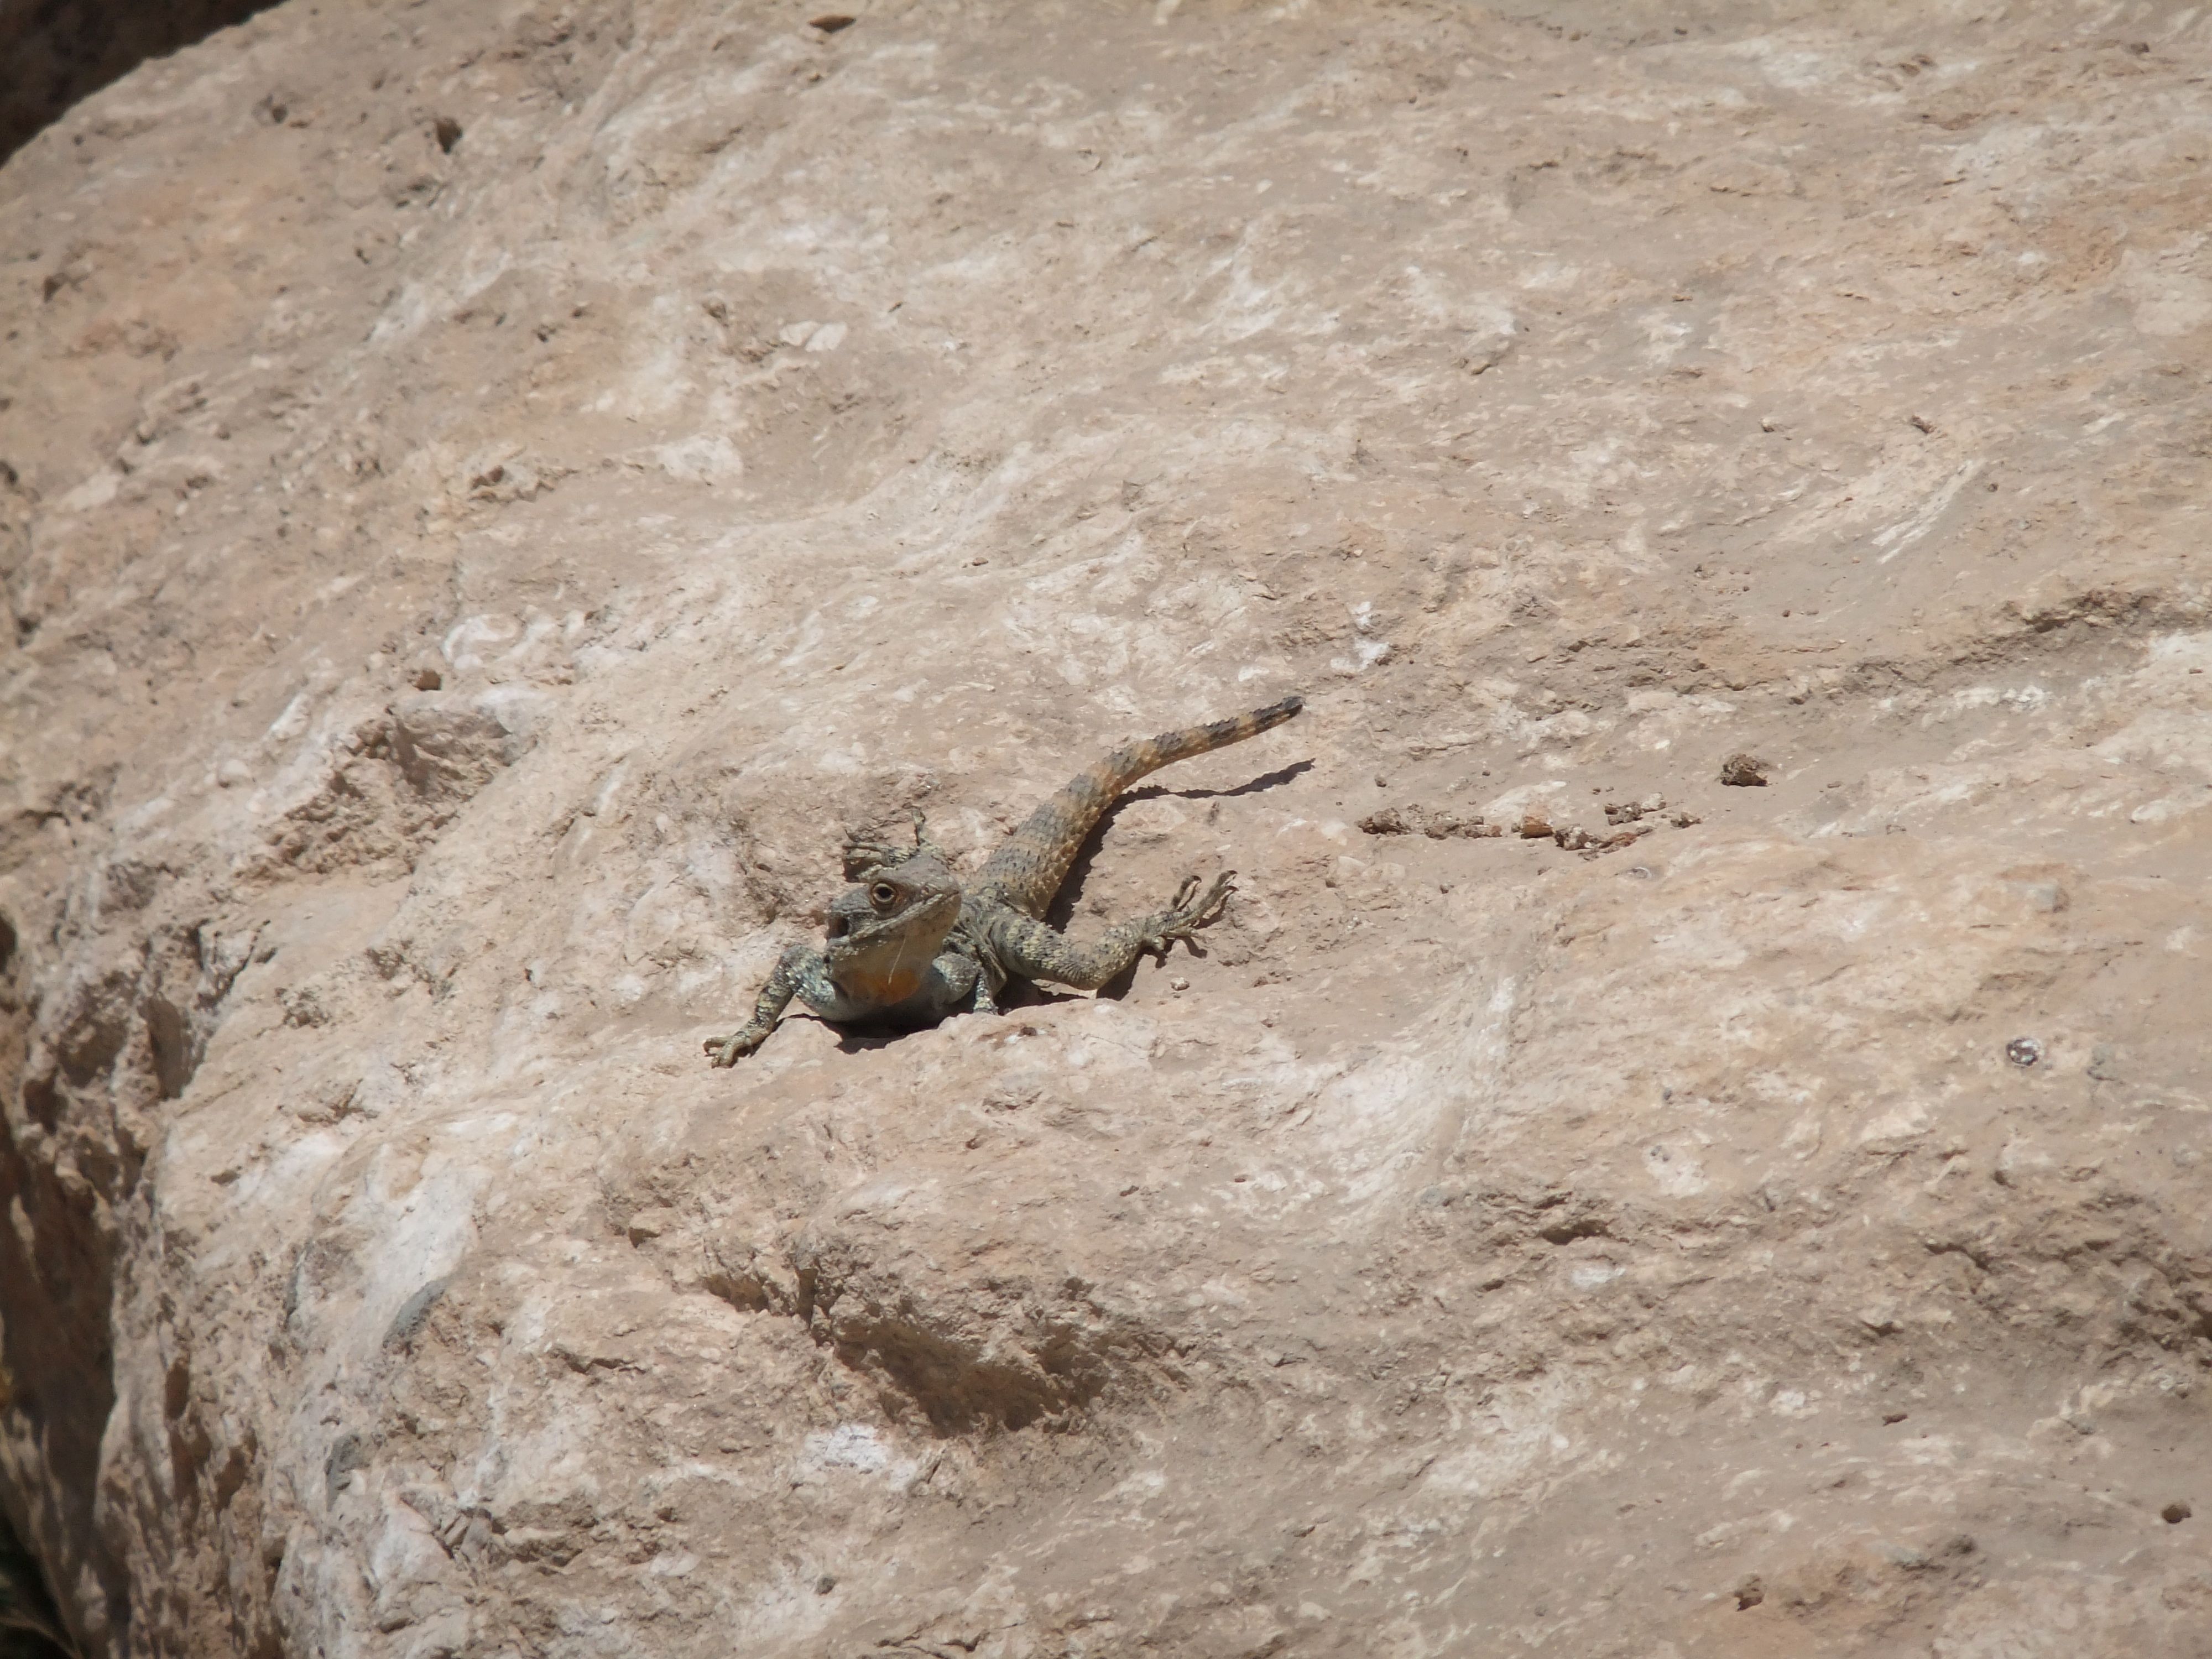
{"x":1028,"y":869}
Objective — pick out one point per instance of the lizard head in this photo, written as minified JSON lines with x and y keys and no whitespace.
{"x":885,"y":929}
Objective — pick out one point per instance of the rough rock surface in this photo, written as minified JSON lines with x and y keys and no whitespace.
{"x":492,"y":490}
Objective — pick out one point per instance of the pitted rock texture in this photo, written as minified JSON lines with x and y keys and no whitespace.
{"x":492,"y":492}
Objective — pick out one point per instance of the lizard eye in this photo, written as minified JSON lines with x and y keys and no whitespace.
{"x":883,"y":894}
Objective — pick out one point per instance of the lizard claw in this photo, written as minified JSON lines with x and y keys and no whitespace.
{"x":729,"y":1050}
{"x":1187,"y":914}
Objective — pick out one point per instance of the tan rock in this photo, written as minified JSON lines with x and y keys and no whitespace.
{"x":473,"y":542}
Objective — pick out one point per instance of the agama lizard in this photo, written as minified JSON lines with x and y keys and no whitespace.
{"x":911,"y":942}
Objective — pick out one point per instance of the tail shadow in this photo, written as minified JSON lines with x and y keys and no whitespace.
{"x":1062,"y":910}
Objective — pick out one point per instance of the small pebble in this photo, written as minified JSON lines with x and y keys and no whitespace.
{"x":1178,"y":983}
{"x":2023,"y":1051}
{"x":2175,"y":1514}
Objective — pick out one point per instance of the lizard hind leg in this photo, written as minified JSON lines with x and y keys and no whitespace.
{"x":1028,"y":949}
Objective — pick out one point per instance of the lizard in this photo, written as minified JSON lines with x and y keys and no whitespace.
{"x":910,"y":941}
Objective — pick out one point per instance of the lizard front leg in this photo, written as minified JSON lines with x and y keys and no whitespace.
{"x":959,"y":978}
{"x":979,"y":956}
{"x":799,"y":972}
{"x":1029,"y":949}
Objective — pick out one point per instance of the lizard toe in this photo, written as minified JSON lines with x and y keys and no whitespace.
{"x":728,"y":1051}
{"x":1208,"y":909}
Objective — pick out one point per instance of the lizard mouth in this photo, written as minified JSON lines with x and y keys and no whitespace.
{"x":854,"y":934}
{"x":848,"y":936}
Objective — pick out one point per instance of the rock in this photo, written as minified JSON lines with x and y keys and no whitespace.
{"x":1745,"y":771}
{"x":1426,"y":821}
{"x":488,"y":493}
{"x":1390,"y":820}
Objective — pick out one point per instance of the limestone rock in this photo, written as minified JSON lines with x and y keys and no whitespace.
{"x":474,"y":543}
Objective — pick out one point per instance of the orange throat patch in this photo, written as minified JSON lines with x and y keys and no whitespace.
{"x":883,"y":988}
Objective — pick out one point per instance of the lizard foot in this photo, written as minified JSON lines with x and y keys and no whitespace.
{"x":921,"y":841}
{"x":729,"y":1050}
{"x":1187,"y":914}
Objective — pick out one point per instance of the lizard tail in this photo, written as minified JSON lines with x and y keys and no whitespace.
{"x":1028,"y":869}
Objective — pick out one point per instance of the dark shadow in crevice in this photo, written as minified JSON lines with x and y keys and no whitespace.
{"x":30,"y":1628}
{"x":57,"y":1292}
{"x":54,"y":53}
{"x":1028,"y":994}
{"x":951,"y":1384}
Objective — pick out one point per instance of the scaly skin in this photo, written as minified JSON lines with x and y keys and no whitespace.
{"x":910,"y":943}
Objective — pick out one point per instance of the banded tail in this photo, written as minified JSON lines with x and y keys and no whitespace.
{"x":1028,"y":869}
